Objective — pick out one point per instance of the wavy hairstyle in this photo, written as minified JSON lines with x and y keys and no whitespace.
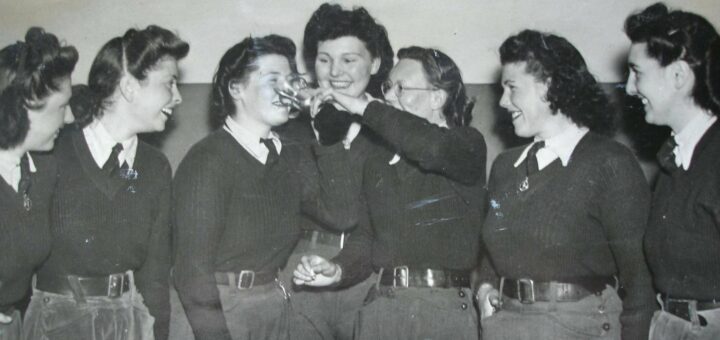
{"x":330,"y":22}
{"x":572,"y":89}
{"x":236,"y":65}
{"x":137,"y":52}
{"x":677,"y":35}
{"x":442,"y":72}
{"x":30,"y":71}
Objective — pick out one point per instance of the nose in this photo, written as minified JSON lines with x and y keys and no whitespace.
{"x":335,"y":69}
{"x":630,"y":87}
{"x":177,"y":98}
{"x":69,"y":116}
{"x":505,"y":100}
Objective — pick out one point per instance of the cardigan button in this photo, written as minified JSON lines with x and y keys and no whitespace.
{"x":464,"y":306}
{"x":461,"y":294}
{"x":606,"y":326}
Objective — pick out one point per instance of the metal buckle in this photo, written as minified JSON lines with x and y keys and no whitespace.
{"x":403,"y":273}
{"x":246,"y":279}
{"x":526,"y":290}
{"x":115,"y":285}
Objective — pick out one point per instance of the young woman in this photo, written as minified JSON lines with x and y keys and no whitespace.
{"x":423,"y":206}
{"x":566,"y":213}
{"x":107,"y":275}
{"x":348,"y":51}
{"x":34,"y":95}
{"x":674,"y":65}
{"x":238,"y":197}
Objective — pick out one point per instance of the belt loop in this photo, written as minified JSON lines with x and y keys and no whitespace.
{"x":232,"y":282}
{"x":660,"y":301}
{"x":342,"y":240}
{"x":313,"y":239}
{"x":131,"y":287}
{"x":377,"y":282}
{"x":501,"y":286}
{"x":693,"y":311}
{"x":76,"y":288}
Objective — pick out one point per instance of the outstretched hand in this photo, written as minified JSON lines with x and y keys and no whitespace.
{"x":5,"y":319}
{"x":316,"y":271}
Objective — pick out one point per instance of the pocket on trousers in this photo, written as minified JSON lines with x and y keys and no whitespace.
{"x":582,"y":325}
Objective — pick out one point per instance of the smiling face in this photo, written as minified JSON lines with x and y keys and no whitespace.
{"x":416,"y":96}
{"x":524,"y":98}
{"x":652,"y":83}
{"x":45,"y":122}
{"x":256,"y":98}
{"x":157,"y":95}
{"x":345,"y":64}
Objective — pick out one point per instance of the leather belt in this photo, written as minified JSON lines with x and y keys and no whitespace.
{"x":246,"y":279}
{"x":686,"y":308}
{"x":325,"y":237}
{"x":403,"y":276}
{"x":529,"y":291}
{"x":112,"y":286}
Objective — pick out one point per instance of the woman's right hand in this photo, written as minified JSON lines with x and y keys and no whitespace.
{"x":316,"y":271}
{"x":5,"y":319}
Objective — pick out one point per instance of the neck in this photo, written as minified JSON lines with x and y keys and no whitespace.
{"x":253,"y":125}
{"x":115,"y":121}
{"x":684,"y":114}
{"x":557,"y":124}
{"x":13,"y":153}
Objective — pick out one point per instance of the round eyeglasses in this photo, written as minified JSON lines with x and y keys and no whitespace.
{"x":398,"y":88}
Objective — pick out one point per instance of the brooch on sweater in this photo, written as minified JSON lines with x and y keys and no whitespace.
{"x":27,"y":202}
{"x":524,"y":185}
{"x":129,"y":175}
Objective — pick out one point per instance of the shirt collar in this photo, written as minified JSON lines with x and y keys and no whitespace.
{"x":688,"y":138}
{"x":559,"y":146}
{"x":10,"y":168}
{"x":100,"y":143}
{"x":250,"y":141}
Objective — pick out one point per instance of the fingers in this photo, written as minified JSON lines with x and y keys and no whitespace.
{"x":314,"y":270}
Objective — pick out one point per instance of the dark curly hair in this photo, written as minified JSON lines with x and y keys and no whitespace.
{"x":236,"y":65}
{"x":443,"y":73}
{"x":331,"y":22}
{"x":136,"y":53}
{"x":678,"y":35}
{"x":572,"y":90}
{"x":29,"y":72}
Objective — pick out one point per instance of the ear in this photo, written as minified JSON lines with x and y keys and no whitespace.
{"x":375,"y":66}
{"x":438,"y":99}
{"x":543,"y":88}
{"x":236,"y":89}
{"x":681,"y":73}
{"x":129,"y":87}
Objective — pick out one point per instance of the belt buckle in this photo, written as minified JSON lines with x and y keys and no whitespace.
{"x":115,"y":285}
{"x":526,"y":290}
{"x":403,"y":273}
{"x":246,"y":279}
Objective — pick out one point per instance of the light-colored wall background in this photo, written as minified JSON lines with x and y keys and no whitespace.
{"x":468,"y":30}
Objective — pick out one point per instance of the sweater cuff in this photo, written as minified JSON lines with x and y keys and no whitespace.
{"x":373,"y":114}
{"x":320,"y":150}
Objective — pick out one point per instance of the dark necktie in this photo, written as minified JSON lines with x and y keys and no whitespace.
{"x":666,"y":156}
{"x":112,"y":165}
{"x":24,"y":184}
{"x":531,"y":159}
{"x":531,"y":164}
{"x":273,"y":155}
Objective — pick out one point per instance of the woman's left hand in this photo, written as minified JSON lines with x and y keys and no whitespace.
{"x":354,"y":105}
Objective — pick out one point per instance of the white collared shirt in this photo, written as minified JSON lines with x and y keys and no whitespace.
{"x":559,"y":146}
{"x":10,"y":168}
{"x":688,"y":138}
{"x":101,"y":144}
{"x":251,"y":141}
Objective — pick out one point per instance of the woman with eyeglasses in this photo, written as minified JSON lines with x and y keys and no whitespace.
{"x":423,"y":206}
{"x":674,"y":63}
{"x":107,"y":273}
{"x":347,"y":51}
{"x":567,"y":212}
{"x":34,"y":95}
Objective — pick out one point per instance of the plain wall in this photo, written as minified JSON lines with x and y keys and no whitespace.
{"x":470,"y":31}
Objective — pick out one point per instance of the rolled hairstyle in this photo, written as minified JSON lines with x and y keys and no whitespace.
{"x":331,"y":22}
{"x":236,"y":65}
{"x":443,"y":73}
{"x":30,"y":71}
{"x":136,"y":53}
{"x":572,"y":89}
{"x":678,"y":35}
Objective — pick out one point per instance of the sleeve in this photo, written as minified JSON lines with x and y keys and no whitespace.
{"x":458,"y":153}
{"x":487,"y":272}
{"x":624,"y":209}
{"x":200,"y":198}
{"x":152,"y":278}
{"x":355,"y":258}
